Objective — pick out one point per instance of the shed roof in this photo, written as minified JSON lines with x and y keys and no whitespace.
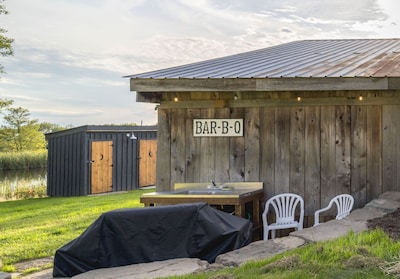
{"x":307,"y":58}
{"x":101,"y":129}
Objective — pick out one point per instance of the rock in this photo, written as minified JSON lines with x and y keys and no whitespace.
{"x":259,"y":250}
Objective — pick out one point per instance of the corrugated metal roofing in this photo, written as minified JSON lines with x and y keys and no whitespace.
{"x":308,"y":58}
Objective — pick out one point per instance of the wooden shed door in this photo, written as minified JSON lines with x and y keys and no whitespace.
{"x":147,"y":162}
{"x":101,"y":167}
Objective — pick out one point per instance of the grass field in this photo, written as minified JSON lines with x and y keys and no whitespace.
{"x":36,"y":228}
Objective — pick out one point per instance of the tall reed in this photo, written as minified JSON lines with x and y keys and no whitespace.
{"x":23,"y":160}
{"x":23,"y":189}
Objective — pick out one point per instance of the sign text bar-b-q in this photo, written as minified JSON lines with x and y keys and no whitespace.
{"x":217,"y":127}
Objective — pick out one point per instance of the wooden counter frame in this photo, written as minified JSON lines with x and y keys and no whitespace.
{"x":238,"y":201}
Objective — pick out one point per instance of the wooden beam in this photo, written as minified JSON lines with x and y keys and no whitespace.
{"x":263,"y":84}
{"x":281,"y":102}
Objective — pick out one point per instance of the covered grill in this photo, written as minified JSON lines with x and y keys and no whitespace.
{"x":142,"y":235}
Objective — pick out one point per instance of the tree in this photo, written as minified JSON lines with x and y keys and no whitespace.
{"x":47,"y":127}
{"x":5,"y":103}
{"x":20,"y":132}
{"x":5,"y":42}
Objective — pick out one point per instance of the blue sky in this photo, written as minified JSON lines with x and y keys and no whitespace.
{"x":71,"y":55}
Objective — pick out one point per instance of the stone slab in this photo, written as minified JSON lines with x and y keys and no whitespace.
{"x":330,"y":230}
{"x":390,"y":195}
{"x":151,"y":270}
{"x":386,"y":205}
{"x":4,"y":275}
{"x":43,"y":274}
{"x":259,"y":250}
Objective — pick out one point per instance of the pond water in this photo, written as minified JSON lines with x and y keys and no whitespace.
{"x":12,"y":182}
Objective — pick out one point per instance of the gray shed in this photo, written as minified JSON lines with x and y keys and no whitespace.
{"x":99,"y":159}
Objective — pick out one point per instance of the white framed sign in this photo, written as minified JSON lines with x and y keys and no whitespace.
{"x":217,"y":127}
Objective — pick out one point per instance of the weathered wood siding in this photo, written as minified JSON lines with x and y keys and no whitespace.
{"x":317,"y":151}
{"x":391,"y":148}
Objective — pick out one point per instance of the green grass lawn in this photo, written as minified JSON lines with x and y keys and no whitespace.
{"x":35,"y":228}
{"x":368,"y":255}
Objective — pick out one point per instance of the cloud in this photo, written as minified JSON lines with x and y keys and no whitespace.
{"x":70,"y":55}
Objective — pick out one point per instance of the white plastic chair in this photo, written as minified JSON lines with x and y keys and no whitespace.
{"x":344,"y":204}
{"x":285,"y":206}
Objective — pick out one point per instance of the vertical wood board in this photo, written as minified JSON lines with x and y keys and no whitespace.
{"x":297,"y":151}
{"x":267,"y":151}
{"x":343,"y":149}
{"x":237,"y":151}
{"x":374,"y":151}
{"x":282,"y":149}
{"x":359,"y":154}
{"x":252,"y":144}
{"x":328,"y":154}
{"x":193,"y":151}
{"x":178,"y":138}
{"x":312,"y":160}
{"x":163,"y":163}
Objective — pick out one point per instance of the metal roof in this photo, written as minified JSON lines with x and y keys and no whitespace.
{"x":307,"y":58}
{"x":102,"y":129}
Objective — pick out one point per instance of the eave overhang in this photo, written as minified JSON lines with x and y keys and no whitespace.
{"x":150,"y":85}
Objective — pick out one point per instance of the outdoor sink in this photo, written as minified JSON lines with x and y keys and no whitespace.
{"x":204,"y":191}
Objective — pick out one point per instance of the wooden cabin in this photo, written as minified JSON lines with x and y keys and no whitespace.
{"x":100,"y":159}
{"x":315,"y":117}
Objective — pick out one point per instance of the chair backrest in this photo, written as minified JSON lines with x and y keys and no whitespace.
{"x":344,"y":204}
{"x":285,"y":207}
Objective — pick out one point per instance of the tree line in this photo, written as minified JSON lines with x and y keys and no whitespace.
{"x":20,"y":132}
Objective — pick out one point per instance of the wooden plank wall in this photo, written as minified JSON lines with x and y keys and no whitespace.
{"x":391,"y":147}
{"x":315,"y":151}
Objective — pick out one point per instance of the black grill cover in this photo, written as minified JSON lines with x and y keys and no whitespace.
{"x":142,"y":235}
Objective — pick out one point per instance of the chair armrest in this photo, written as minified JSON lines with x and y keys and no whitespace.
{"x":316,"y":214}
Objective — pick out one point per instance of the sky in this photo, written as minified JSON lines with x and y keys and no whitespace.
{"x":71,"y":56}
